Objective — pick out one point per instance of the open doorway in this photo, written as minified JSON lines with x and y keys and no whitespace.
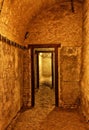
{"x":44,"y":68}
{"x":37,"y":50}
{"x":45,"y":65}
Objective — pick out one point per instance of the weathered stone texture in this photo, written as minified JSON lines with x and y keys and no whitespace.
{"x":27,"y":78}
{"x":57,"y":24}
{"x":70,"y":66}
{"x":15,"y":16}
{"x":85,"y":60}
{"x":70,"y":63}
{"x":11,"y":83}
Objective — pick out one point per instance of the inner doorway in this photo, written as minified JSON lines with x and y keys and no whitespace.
{"x":50,"y":48}
{"x":45,"y":69}
{"x":45,"y":63}
{"x":44,"y":77}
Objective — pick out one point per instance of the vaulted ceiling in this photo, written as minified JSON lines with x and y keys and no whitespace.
{"x":15,"y":16}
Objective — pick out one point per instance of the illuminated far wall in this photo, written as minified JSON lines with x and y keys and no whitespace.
{"x":45,"y":68}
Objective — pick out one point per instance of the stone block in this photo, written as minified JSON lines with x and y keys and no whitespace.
{"x":70,"y":63}
{"x":70,"y":93}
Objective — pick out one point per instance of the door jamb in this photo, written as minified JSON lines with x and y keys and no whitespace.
{"x":55,"y":46}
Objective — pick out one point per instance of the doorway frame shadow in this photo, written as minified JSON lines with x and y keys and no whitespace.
{"x":32,"y":47}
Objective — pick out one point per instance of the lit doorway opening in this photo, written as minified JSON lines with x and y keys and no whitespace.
{"x":44,"y":78}
{"x":46,"y":69}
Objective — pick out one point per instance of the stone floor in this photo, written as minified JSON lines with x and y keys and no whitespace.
{"x":45,"y":116}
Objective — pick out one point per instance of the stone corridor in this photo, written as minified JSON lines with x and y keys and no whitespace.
{"x":28,"y":29}
{"x":45,"y":116}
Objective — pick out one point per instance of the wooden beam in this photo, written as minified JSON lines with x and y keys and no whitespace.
{"x":44,"y":45}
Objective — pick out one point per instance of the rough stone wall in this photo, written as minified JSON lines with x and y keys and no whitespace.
{"x":11,"y":83}
{"x":27,"y":78}
{"x":85,"y":60}
{"x":58,"y":24}
{"x":15,"y":16}
{"x":70,"y":66}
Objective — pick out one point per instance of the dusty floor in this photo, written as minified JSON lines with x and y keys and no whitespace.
{"x":45,"y":116}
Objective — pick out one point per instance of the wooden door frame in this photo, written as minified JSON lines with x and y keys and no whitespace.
{"x":52,"y":69}
{"x":32,"y":47}
{"x":37,"y":67}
